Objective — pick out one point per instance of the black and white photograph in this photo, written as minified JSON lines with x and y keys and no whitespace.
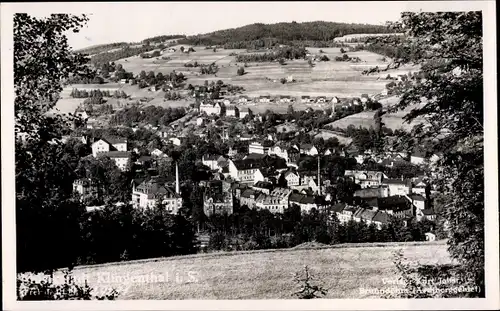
{"x":249,"y":155}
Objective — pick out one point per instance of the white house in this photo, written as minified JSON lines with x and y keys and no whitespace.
{"x":210,"y":108}
{"x":275,"y":202}
{"x":305,"y":99}
{"x":243,"y":170}
{"x":243,"y":99}
{"x":292,"y":179}
{"x":256,"y":147}
{"x":158,"y":153}
{"x":366,"y":178}
{"x":308,"y":149}
{"x":106,"y":145}
{"x":398,"y":186}
{"x":265,"y":99}
{"x":243,"y":113}
{"x":231,"y":111}
{"x":429,"y":236}
{"x":285,"y":99}
{"x":174,"y":140}
{"x":417,"y":158}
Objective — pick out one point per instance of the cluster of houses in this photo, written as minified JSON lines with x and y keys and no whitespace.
{"x":305,"y":99}
{"x":153,"y":190}
{"x":392,"y":159}
{"x":217,"y":107}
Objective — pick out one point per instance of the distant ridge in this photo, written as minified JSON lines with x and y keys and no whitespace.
{"x":283,"y":33}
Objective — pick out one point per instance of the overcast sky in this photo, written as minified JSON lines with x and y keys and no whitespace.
{"x":132,"y":22}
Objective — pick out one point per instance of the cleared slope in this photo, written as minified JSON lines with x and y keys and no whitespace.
{"x":344,"y":269}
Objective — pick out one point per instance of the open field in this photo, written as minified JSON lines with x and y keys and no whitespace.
{"x":329,"y":78}
{"x":365,"y":119}
{"x":343,"y":269}
{"x":391,"y":120}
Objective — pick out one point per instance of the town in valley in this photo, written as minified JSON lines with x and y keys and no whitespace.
{"x":249,"y":161}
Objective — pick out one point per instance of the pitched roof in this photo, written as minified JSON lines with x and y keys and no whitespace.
{"x":416,"y":197}
{"x":288,"y":173}
{"x":254,"y":156}
{"x":263,"y":184}
{"x":115,"y":140}
{"x":211,"y":157}
{"x":295,"y":197}
{"x":246,"y":164}
{"x":382,"y":217}
{"x":306,"y":146}
{"x":281,"y":192}
{"x":249,"y":192}
{"x":428,"y":211}
{"x":337,"y":208}
{"x":396,"y":181}
{"x":115,"y":154}
{"x":368,"y":193}
{"x":395,"y":203}
{"x":367,"y":214}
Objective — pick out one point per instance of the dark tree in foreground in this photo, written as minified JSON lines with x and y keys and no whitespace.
{"x":42,"y":61}
{"x":449,"y":47}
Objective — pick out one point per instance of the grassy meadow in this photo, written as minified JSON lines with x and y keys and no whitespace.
{"x":268,"y":274}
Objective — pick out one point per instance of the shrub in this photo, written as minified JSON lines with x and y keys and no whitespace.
{"x":307,"y":289}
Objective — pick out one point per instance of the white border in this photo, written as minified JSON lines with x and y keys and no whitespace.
{"x":491,"y":192}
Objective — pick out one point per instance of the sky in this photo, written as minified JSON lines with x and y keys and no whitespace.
{"x":133,"y":21}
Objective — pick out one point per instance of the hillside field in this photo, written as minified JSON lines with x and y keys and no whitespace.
{"x":329,"y":78}
{"x":343,"y":269}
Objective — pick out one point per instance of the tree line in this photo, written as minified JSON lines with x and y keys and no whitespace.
{"x":162,"y":38}
{"x":276,"y":54}
{"x":125,"y":52}
{"x":250,"y":229}
{"x":262,"y":35}
{"x":150,"y":115}
{"x":76,"y":93}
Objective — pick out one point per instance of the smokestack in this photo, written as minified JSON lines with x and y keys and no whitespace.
{"x":177,"y":179}
{"x":319,"y":177}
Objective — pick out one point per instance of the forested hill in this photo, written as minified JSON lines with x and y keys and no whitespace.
{"x":260,"y":35}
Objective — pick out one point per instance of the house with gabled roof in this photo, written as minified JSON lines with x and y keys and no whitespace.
{"x":212,"y":161}
{"x":147,"y":193}
{"x":308,"y":149}
{"x":398,"y":206}
{"x":231,"y":111}
{"x":398,"y":186}
{"x":306,"y":202}
{"x":249,"y":197}
{"x":104,"y":145}
{"x":265,"y":99}
{"x":418,"y":157}
{"x":305,"y":99}
{"x":366,"y":178}
{"x":321,"y":99}
{"x":211,"y":108}
{"x":243,"y":99}
{"x":243,"y":170}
